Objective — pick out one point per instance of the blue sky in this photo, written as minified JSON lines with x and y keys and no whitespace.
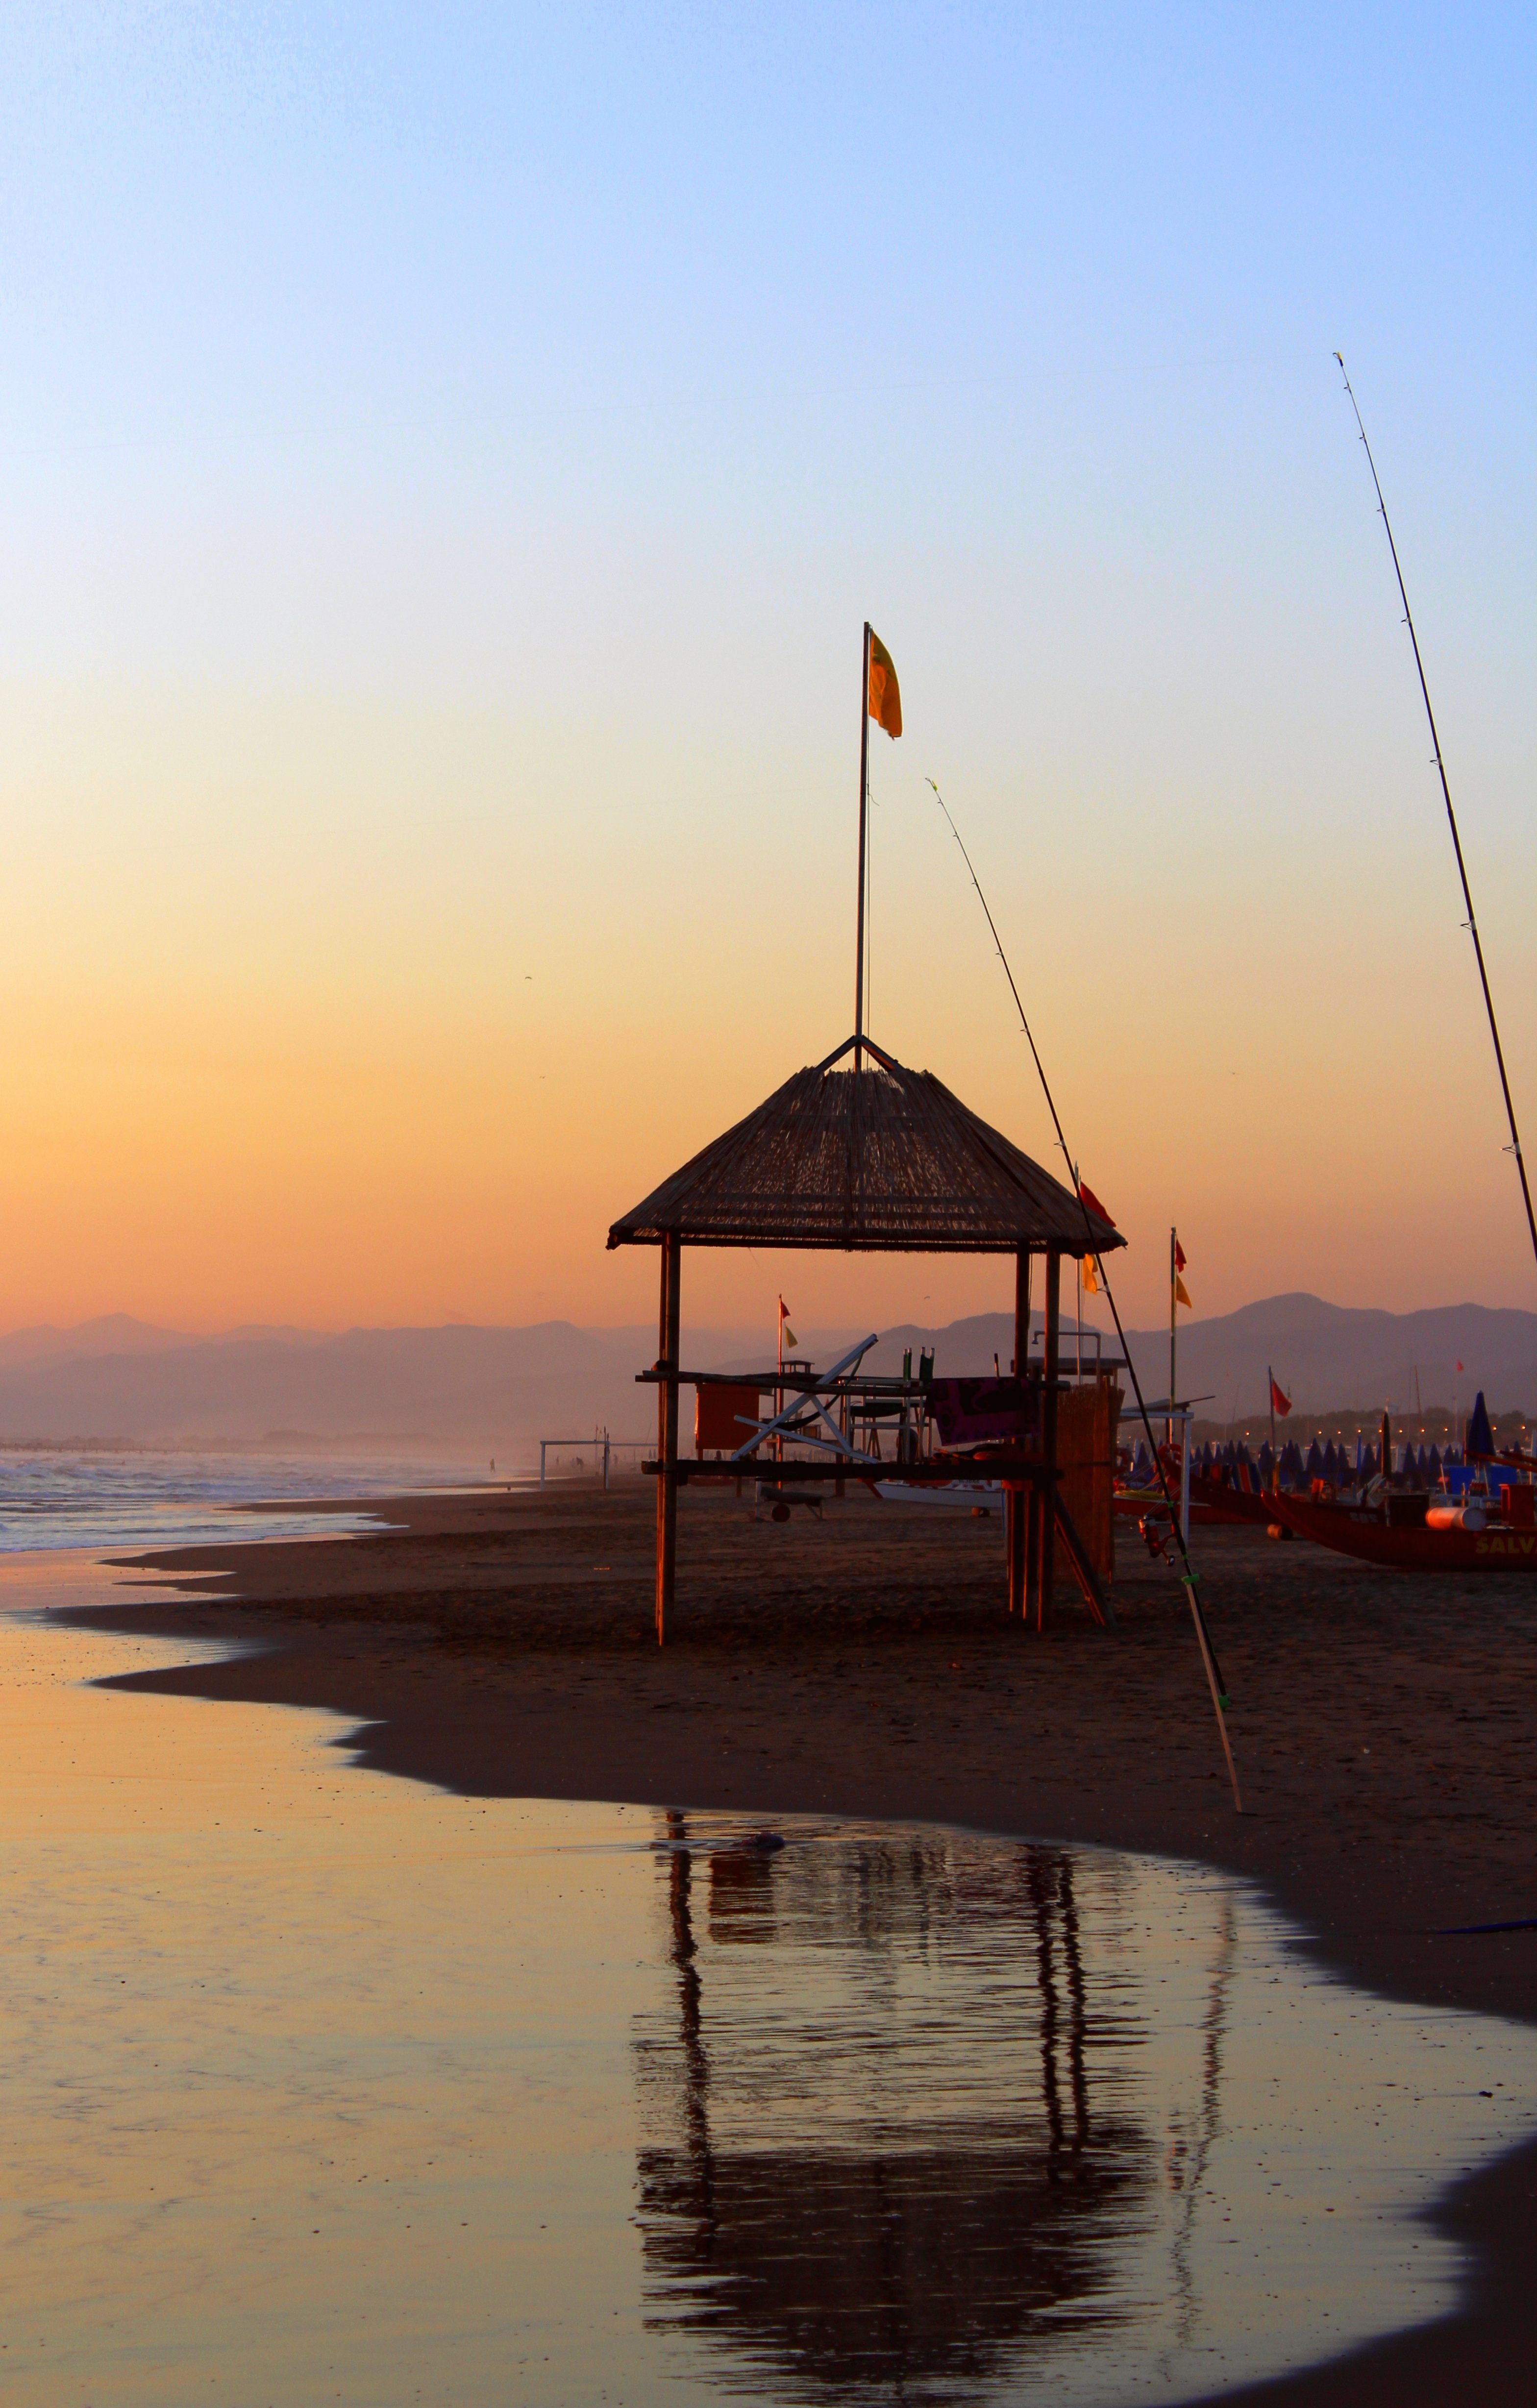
{"x":452,"y":455}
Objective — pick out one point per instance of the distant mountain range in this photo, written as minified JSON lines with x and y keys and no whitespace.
{"x":1328,"y":1354}
{"x":496,"y":1391}
{"x":1324,"y":1355}
{"x":118,"y":1333}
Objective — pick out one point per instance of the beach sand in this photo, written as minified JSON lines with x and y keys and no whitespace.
{"x":502,"y":1643}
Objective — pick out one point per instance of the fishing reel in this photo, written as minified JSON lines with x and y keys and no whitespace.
{"x":1156,"y":1531}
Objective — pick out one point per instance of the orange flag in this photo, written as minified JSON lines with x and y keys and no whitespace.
{"x":1182,"y":1293}
{"x":885,"y":701}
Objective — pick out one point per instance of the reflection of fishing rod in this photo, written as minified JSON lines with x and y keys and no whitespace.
{"x":1211,"y":2119}
{"x":1208,"y":1653}
{"x":1515,"y":1146}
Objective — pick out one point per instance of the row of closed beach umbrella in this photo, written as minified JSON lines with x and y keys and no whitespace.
{"x":1344,"y":1464}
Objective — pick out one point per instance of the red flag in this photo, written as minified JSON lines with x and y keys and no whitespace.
{"x":1459,"y":1367}
{"x":1086,"y":1196}
{"x":1279,"y":1403}
{"x":1179,"y":1255}
{"x":885,"y":702}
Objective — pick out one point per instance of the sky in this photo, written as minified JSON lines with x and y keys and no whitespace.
{"x":452,"y":455}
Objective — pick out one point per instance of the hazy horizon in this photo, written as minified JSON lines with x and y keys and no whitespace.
{"x":1091,"y":1318}
{"x":484,"y":1385}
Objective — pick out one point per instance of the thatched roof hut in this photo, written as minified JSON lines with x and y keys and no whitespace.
{"x":876,"y":1160}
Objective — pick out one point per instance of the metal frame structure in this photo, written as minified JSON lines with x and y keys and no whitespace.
{"x":1184,"y":1416}
{"x":602,"y":1444}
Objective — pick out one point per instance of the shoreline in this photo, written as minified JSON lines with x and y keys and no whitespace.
{"x":501,"y":1645}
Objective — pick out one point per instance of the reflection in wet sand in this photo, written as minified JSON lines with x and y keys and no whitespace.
{"x":1186,"y":2165}
{"x":325,"y":2086}
{"x":930,"y":2116}
{"x":845,"y":2186}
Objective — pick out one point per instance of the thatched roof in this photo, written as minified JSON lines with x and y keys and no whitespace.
{"x":876,"y":1160}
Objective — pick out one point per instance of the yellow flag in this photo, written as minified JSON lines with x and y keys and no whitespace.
{"x":885,"y":701}
{"x":1091,"y":1276}
{"x":1182,"y":1293}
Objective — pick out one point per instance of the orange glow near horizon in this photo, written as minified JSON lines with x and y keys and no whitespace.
{"x":288,"y":1045}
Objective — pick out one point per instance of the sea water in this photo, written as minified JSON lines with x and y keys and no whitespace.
{"x":140,"y":1497}
{"x":324,"y":2085}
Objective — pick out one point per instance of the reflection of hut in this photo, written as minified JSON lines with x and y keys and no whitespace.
{"x":849,"y":2191}
{"x":873,"y":1158}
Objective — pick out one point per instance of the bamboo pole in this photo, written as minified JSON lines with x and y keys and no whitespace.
{"x":667,"y":1435}
{"x":1016,"y":1500}
{"x":1048,"y":1432}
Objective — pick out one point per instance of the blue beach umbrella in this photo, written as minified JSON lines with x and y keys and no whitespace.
{"x":1480,"y":1436}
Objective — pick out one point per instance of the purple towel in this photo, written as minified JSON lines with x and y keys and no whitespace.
{"x":968,"y":1409}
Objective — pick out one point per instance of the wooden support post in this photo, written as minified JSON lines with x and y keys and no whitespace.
{"x":1048,"y":1435}
{"x":667,"y":1435}
{"x":1017,"y":1503}
{"x":1095,"y":1597}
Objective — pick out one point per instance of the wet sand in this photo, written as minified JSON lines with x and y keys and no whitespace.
{"x":502,"y":1644}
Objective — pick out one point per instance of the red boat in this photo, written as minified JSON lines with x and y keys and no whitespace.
{"x":1225,"y":1502}
{"x":1137,"y":1503}
{"x":1214,"y":1497}
{"x":1472,"y":1537}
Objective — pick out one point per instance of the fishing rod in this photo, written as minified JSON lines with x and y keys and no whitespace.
{"x":1187,"y":1576}
{"x":1472,"y":924}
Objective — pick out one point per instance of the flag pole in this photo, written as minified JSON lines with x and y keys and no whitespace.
{"x":859,"y":908}
{"x":1173,"y":1316}
{"x":1276,"y":1473}
{"x":779,"y":1392}
{"x":1079,"y":1357}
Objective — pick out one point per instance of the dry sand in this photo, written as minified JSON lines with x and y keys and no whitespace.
{"x":1383,"y":1725}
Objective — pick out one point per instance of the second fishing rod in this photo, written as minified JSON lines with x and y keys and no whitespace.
{"x":1188,"y":1575}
